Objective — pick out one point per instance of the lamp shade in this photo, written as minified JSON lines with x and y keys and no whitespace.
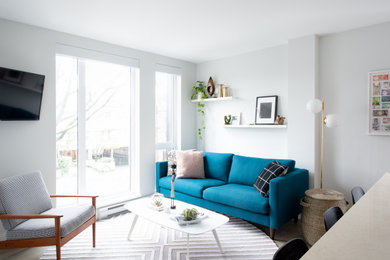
{"x":314,"y":105}
{"x":332,"y":120}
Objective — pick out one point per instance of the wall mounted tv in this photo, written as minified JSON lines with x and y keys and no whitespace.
{"x":20,"y":95}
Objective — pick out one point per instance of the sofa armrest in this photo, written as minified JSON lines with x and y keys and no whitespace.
{"x":161,"y":171}
{"x":285,"y":195}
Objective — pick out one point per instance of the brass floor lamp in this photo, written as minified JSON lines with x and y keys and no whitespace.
{"x":316,"y":106}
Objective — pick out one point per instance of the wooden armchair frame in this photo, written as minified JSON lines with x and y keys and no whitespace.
{"x":57,"y":240}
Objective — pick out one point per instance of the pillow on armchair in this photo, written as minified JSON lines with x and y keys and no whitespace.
{"x":189,"y":165}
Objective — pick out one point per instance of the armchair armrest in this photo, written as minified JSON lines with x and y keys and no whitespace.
{"x":27,"y":216}
{"x":285,"y":195}
{"x":77,"y":196}
{"x":72,"y":196}
{"x":161,"y":171}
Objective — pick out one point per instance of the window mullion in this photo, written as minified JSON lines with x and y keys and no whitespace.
{"x":81,"y":130}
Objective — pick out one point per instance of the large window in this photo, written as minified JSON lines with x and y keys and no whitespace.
{"x":93,"y":126}
{"x":166,"y":116}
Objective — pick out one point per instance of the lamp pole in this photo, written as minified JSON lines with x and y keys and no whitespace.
{"x":322,"y":143}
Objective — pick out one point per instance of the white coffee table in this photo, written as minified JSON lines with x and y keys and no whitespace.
{"x":141,"y":208}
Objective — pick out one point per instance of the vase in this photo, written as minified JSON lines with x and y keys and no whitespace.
{"x":220,"y":92}
{"x":225,"y":91}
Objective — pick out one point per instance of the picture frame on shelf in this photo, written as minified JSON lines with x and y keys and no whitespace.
{"x":379,"y":102}
{"x":266,"y":108}
{"x":236,"y":119}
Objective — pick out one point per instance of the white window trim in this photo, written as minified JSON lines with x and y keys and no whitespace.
{"x":174,"y":115}
{"x":95,"y":55}
{"x":168,"y":69}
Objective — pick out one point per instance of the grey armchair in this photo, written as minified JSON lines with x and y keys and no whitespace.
{"x":27,"y":214}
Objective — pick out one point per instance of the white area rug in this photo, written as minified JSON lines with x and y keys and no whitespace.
{"x":239,"y":240}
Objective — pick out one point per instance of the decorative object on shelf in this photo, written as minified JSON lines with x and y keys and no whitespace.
{"x":279,"y":120}
{"x":200,"y":88}
{"x":266,"y":107}
{"x":236,"y":119}
{"x":316,"y":106}
{"x":173,"y":186}
{"x":220,"y":91}
{"x":379,"y":102}
{"x":210,"y":87}
{"x":228,"y":119}
{"x":225,"y":91}
{"x":189,"y":214}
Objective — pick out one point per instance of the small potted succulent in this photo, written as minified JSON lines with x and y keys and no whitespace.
{"x":156,"y":200}
{"x":189,"y":214}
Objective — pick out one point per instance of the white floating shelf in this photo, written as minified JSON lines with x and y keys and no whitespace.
{"x":255,"y":126}
{"x":212,"y":99}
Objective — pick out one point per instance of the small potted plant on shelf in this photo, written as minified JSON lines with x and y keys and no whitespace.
{"x":199,"y":90}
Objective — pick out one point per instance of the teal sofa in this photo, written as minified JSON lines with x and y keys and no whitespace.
{"x":228,"y":188}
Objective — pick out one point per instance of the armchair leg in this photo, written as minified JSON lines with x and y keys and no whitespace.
{"x":58,"y":251}
{"x":272,"y":233}
{"x":94,"y":234}
{"x":58,"y":237}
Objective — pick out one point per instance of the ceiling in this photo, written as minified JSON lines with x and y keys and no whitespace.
{"x":197,"y":30}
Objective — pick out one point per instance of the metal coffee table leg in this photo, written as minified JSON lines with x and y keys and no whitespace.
{"x":132,"y":226}
{"x":217,"y":240}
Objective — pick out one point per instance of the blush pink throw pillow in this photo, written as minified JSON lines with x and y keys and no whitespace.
{"x":189,"y":165}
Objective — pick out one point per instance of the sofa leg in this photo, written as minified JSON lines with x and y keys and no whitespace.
{"x":296,"y":219}
{"x":272,"y":233}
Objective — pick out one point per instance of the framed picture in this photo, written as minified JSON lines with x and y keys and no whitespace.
{"x":266,"y":107}
{"x":379,"y":102}
{"x":236,"y":119}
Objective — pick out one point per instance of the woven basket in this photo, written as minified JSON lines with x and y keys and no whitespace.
{"x":314,"y":204}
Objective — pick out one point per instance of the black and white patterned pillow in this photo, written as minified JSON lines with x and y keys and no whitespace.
{"x":272,"y":170}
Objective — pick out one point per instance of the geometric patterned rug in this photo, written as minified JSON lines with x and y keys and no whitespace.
{"x":239,"y":240}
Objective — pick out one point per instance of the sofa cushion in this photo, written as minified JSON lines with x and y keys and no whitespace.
{"x":238,"y":196}
{"x":23,"y":194}
{"x":189,"y":164}
{"x":271,"y":171}
{"x":193,"y":187}
{"x":73,"y":217}
{"x":217,"y":165}
{"x":245,"y":170}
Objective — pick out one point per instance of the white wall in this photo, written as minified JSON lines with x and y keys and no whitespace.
{"x":351,"y":156}
{"x":303,"y":145}
{"x":27,"y":146}
{"x":248,"y":76}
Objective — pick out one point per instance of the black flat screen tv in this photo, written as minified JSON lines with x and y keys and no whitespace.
{"x":20,"y":95}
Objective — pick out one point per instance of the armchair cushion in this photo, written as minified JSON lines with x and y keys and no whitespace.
{"x":73,"y":217}
{"x":23,"y":194}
